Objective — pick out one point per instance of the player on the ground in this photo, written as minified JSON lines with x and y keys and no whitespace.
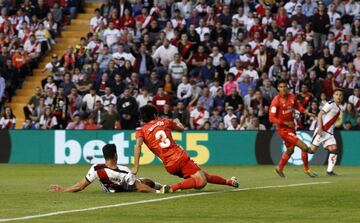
{"x":282,"y":111}
{"x":324,"y":132}
{"x":113,"y":178}
{"x":156,"y":134}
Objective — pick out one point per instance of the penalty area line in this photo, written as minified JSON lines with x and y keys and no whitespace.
{"x":155,"y":200}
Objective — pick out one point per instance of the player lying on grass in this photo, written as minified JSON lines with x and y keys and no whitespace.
{"x":282,"y":111}
{"x":324,"y":132}
{"x":113,"y":178}
{"x":156,"y":134}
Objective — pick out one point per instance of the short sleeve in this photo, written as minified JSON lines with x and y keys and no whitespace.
{"x":326,"y":108}
{"x":139,"y":133}
{"x":91,"y":175}
{"x":130,"y":179}
{"x":274,"y":106}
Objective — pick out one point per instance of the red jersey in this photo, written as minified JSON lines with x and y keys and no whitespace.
{"x":157,"y":136}
{"x":282,"y":110}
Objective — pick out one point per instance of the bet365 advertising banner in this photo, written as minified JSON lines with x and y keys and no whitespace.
{"x":205,"y":147}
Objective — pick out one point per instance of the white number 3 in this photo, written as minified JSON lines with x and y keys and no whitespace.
{"x":161,"y":135}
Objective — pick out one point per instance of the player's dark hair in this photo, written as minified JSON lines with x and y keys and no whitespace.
{"x":109,"y":151}
{"x":281,"y":82}
{"x":338,"y":89}
{"x":148,"y":113}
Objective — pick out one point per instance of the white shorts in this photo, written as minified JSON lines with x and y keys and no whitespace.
{"x":326,"y":139}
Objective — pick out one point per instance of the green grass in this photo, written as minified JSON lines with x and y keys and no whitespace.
{"x":24,"y":191}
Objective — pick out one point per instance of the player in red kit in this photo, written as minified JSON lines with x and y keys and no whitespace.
{"x":282,"y":111}
{"x":156,"y":134}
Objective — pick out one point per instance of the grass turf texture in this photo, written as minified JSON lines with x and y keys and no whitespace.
{"x":24,"y":191}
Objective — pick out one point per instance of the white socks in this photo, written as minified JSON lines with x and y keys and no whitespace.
{"x":331,"y":162}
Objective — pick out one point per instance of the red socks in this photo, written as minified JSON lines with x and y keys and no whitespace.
{"x":197,"y":183}
{"x":214,"y":179}
{"x":304,"y":157}
{"x":186,"y":184}
{"x":284,"y":159}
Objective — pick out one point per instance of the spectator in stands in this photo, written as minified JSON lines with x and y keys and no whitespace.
{"x":8,"y":120}
{"x":349,"y":117}
{"x":28,"y":125}
{"x":85,"y":85}
{"x":110,"y":119}
{"x":90,"y":124}
{"x":182,"y":114}
{"x":179,"y":37}
{"x":198,"y":117}
{"x":234,"y":124}
{"x":76,"y":124}
{"x":177,"y":69}
{"x":165,"y":53}
{"x":235,"y":101}
{"x":89,"y":100}
{"x":255,"y":124}
{"x":184,"y":90}
{"x":154,"y":83}
{"x":128,"y":110}
{"x":61,"y":108}
{"x":2,"y":91}
{"x":48,"y":120}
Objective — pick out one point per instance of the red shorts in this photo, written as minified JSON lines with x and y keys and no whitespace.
{"x":289,"y":136}
{"x":184,"y":167}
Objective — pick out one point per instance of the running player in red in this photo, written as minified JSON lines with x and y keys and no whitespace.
{"x":281,"y":113}
{"x":156,"y":134}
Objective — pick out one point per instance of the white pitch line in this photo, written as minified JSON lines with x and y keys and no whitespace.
{"x":155,"y":200}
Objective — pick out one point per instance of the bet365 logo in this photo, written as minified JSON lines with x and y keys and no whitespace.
{"x":296,"y":159}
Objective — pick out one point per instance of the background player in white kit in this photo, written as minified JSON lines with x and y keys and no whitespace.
{"x":113,"y":178}
{"x":324,"y":132}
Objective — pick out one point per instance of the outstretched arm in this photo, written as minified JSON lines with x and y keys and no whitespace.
{"x":179,"y":126}
{"x":79,"y":186}
{"x":137,"y":152}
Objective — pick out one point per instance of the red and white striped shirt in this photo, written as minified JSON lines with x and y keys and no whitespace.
{"x":112,"y":180}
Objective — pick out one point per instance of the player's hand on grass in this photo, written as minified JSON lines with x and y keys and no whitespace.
{"x":56,"y":188}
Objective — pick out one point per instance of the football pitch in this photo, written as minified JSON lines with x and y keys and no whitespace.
{"x":262,"y":197}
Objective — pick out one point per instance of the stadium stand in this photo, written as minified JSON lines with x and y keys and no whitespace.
{"x":212,"y":64}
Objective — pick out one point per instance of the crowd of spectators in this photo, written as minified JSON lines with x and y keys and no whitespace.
{"x":27,"y":32}
{"x":214,"y":64}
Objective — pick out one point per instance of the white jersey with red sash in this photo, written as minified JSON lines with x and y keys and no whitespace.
{"x":199,"y":117}
{"x":112,"y":180}
{"x":24,"y":35}
{"x":95,"y":22}
{"x":355,"y":101}
{"x":32,"y":49}
{"x":340,"y":35}
{"x":95,"y":47}
{"x":338,"y":73}
{"x":287,"y":46}
{"x":7,"y":123}
{"x":247,"y":58}
{"x":255,"y":47}
{"x":331,"y":113}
